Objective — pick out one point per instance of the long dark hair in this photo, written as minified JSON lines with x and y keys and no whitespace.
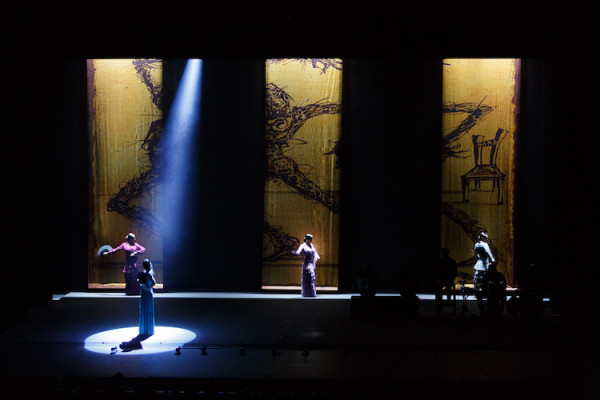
{"x":147,"y":265}
{"x":143,"y":275}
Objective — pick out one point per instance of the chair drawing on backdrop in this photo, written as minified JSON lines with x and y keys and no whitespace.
{"x":483,"y":171}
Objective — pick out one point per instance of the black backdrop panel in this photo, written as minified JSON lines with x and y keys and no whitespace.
{"x":221,"y":246}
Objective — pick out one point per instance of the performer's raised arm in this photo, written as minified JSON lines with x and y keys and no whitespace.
{"x":114,"y":250}
{"x":300,"y":250}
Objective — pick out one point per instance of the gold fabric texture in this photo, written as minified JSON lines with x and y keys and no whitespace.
{"x":125,"y":125}
{"x":302,"y":182}
{"x":480,"y":113}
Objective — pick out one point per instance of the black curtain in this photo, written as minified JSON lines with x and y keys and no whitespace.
{"x":556,"y":207}
{"x":390,"y":200}
{"x":45,"y":162}
{"x":533,"y":182}
{"x":390,"y":182}
{"x":573,"y":86}
{"x":222,"y":240}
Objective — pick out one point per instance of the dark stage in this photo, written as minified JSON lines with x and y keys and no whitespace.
{"x":259,"y":345}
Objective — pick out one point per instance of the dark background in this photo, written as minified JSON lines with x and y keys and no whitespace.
{"x":390,"y":160}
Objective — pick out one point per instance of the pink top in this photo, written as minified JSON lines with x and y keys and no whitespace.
{"x":130,"y":261}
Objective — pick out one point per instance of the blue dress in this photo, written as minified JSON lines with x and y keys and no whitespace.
{"x":146,"y":324}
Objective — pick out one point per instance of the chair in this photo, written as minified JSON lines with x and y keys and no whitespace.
{"x":485,"y":171}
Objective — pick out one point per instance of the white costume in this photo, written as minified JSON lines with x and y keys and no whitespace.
{"x":484,"y":259}
{"x":484,"y":256}
{"x":308,"y":268}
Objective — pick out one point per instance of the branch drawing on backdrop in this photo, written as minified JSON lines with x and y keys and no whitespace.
{"x":470,"y":226}
{"x":318,"y":63}
{"x":452,"y":149}
{"x":477,"y":112}
{"x":282,"y":243}
{"x":125,"y":200}
{"x":283,"y":120}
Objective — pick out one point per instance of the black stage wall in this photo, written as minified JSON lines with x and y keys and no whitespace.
{"x":220,"y":246}
{"x":390,"y":174}
{"x":388,"y":206}
{"x":45,"y":162}
{"x":572,"y":174}
{"x":390,"y":197}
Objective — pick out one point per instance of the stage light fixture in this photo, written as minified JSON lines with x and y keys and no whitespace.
{"x":178,"y":351}
{"x":204,"y":350}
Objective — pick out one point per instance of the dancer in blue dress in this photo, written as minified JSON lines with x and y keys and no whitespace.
{"x":147,"y":282}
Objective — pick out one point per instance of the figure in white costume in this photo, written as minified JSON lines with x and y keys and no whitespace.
{"x":484,"y":258}
{"x":309,"y":266}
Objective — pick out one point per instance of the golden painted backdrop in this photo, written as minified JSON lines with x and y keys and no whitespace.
{"x":480,"y":108}
{"x":125,"y":124}
{"x":302,"y":181}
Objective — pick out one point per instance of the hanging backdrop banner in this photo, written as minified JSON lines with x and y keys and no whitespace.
{"x":480,"y":114}
{"x":125,"y":125}
{"x":302,"y":175}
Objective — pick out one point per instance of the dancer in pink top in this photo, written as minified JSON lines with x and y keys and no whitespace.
{"x":130,"y":269}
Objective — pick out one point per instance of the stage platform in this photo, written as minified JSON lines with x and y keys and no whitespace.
{"x":247,"y":342}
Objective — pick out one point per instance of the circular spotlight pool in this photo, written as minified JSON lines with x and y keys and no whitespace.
{"x":165,"y":338}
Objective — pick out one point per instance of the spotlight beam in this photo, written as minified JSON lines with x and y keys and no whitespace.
{"x":178,"y":151}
